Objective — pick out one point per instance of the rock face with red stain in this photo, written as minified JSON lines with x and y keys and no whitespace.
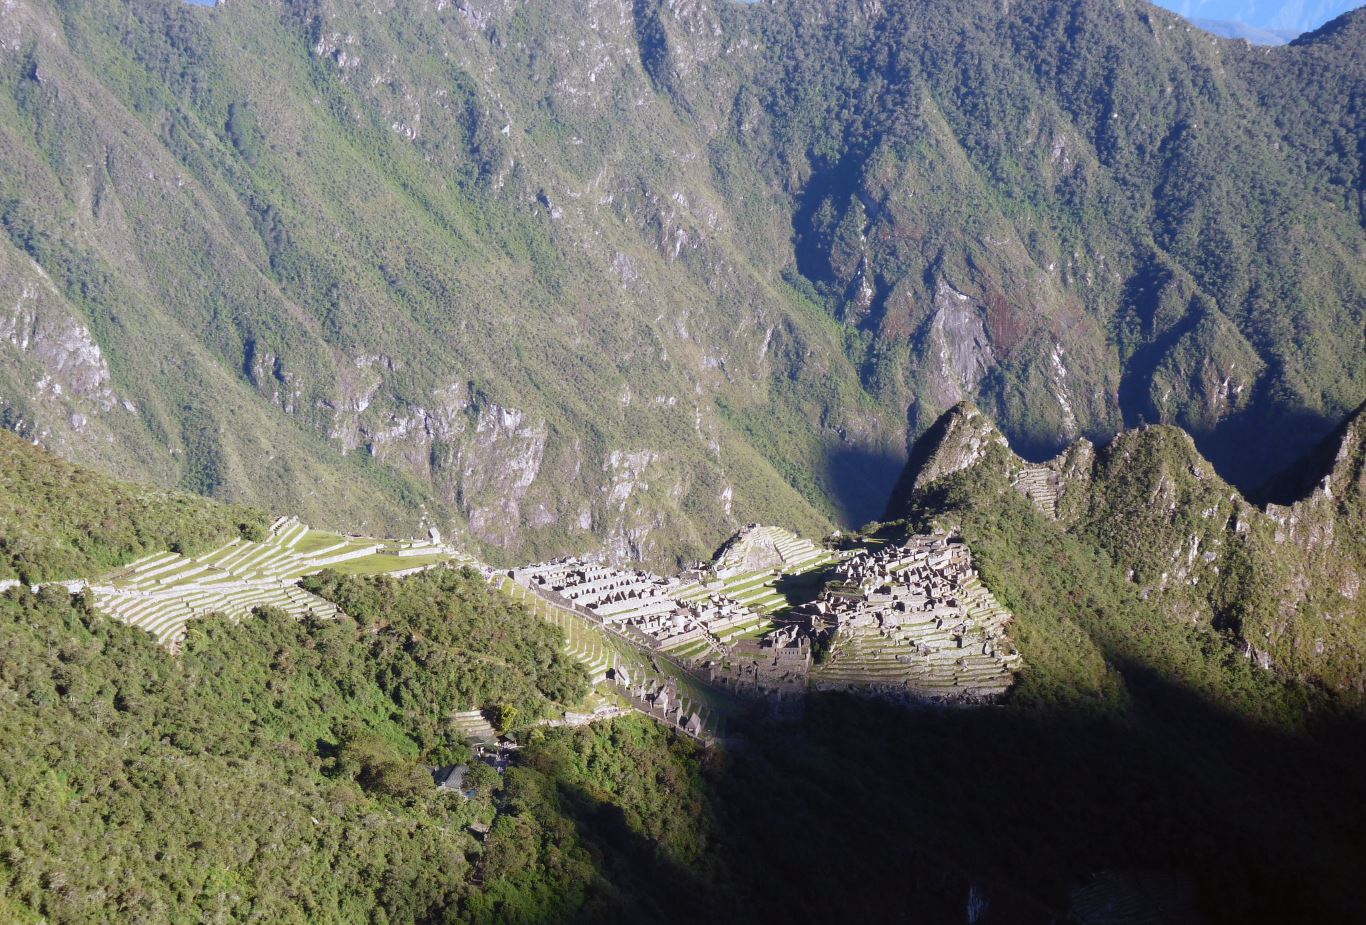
{"x":761,"y":245}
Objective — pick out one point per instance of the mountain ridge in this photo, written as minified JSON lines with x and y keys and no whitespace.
{"x":1236,"y":29}
{"x":637,"y":281}
{"x":1294,"y":18}
{"x":1280,"y":581}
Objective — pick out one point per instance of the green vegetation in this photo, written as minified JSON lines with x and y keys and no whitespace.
{"x":1280,"y":583}
{"x":544,"y":277}
{"x":278,"y":769}
{"x":1086,"y":634}
{"x":444,"y":638}
{"x":385,"y":562}
{"x":357,"y":269}
{"x":59,"y":521}
{"x":274,"y":771}
{"x":1154,"y":560}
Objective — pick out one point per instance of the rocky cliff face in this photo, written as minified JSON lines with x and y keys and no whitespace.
{"x":700,"y":262}
{"x":535,"y":359}
{"x":55,"y":378}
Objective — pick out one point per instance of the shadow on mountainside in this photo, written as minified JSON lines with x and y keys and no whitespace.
{"x":1251,"y":449}
{"x":1297,"y":480}
{"x":860,"y":479}
{"x":859,"y":810}
{"x":864,"y":811}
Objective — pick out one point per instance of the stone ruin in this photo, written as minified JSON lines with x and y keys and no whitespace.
{"x":753,"y":549}
{"x":912,"y":620}
{"x":636,"y":603}
{"x":1041,"y":485}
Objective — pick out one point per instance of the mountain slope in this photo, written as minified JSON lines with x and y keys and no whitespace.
{"x":1279,"y":586}
{"x":60,"y":521}
{"x":279,"y":769}
{"x":1092,"y":553}
{"x":571,"y":275}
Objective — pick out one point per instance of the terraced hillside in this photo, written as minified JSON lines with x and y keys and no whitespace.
{"x":749,"y":570}
{"x":908,"y":618}
{"x":616,"y":658}
{"x":585,"y":641}
{"x":64,"y":521}
{"x":927,"y":656}
{"x":163,"y":591}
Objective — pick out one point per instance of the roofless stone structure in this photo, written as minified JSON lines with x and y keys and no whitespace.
{"x":909,"y":620}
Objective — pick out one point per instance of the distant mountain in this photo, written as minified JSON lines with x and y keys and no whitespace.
{"x":1230,"y":29}
{"x":556,"y":280}
{"x":1287,"y":18}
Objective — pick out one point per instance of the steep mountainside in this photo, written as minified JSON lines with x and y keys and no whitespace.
{"x":60,"y":521}
{"x":1281,"y":585}
{"x":556,"y":275}
{"x":280,"y":769}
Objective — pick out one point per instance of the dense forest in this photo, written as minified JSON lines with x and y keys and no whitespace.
{"x":275,"y":770}
{"x":63,"y":521}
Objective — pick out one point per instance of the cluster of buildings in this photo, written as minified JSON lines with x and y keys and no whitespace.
{"x":778,"y":663}
{"x":912,"y":619}
{"x":640,"y":604}
{"x":918,"y":580}
{"x":660,"y":699}
{"x":909,"y":619}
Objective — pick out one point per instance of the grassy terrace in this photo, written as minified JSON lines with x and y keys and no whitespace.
{"x":162,"y":591}
{"x":756,"y":632}
{"x":584,"y":640}
{"x":692,"y":650}
{"x":381,"y":562}
{"x":315,"y":540}
{"x":766,"y":593}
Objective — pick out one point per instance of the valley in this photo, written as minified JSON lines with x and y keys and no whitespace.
{"x":673,"y":461}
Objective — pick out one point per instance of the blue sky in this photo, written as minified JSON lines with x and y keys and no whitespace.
{"x":1289,"y":15}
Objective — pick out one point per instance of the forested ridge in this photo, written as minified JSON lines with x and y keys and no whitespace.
{"x":273,"y":770}
{"x":62,"y":521}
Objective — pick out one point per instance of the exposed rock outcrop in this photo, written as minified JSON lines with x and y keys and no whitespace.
{"x":1283,"y":580}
